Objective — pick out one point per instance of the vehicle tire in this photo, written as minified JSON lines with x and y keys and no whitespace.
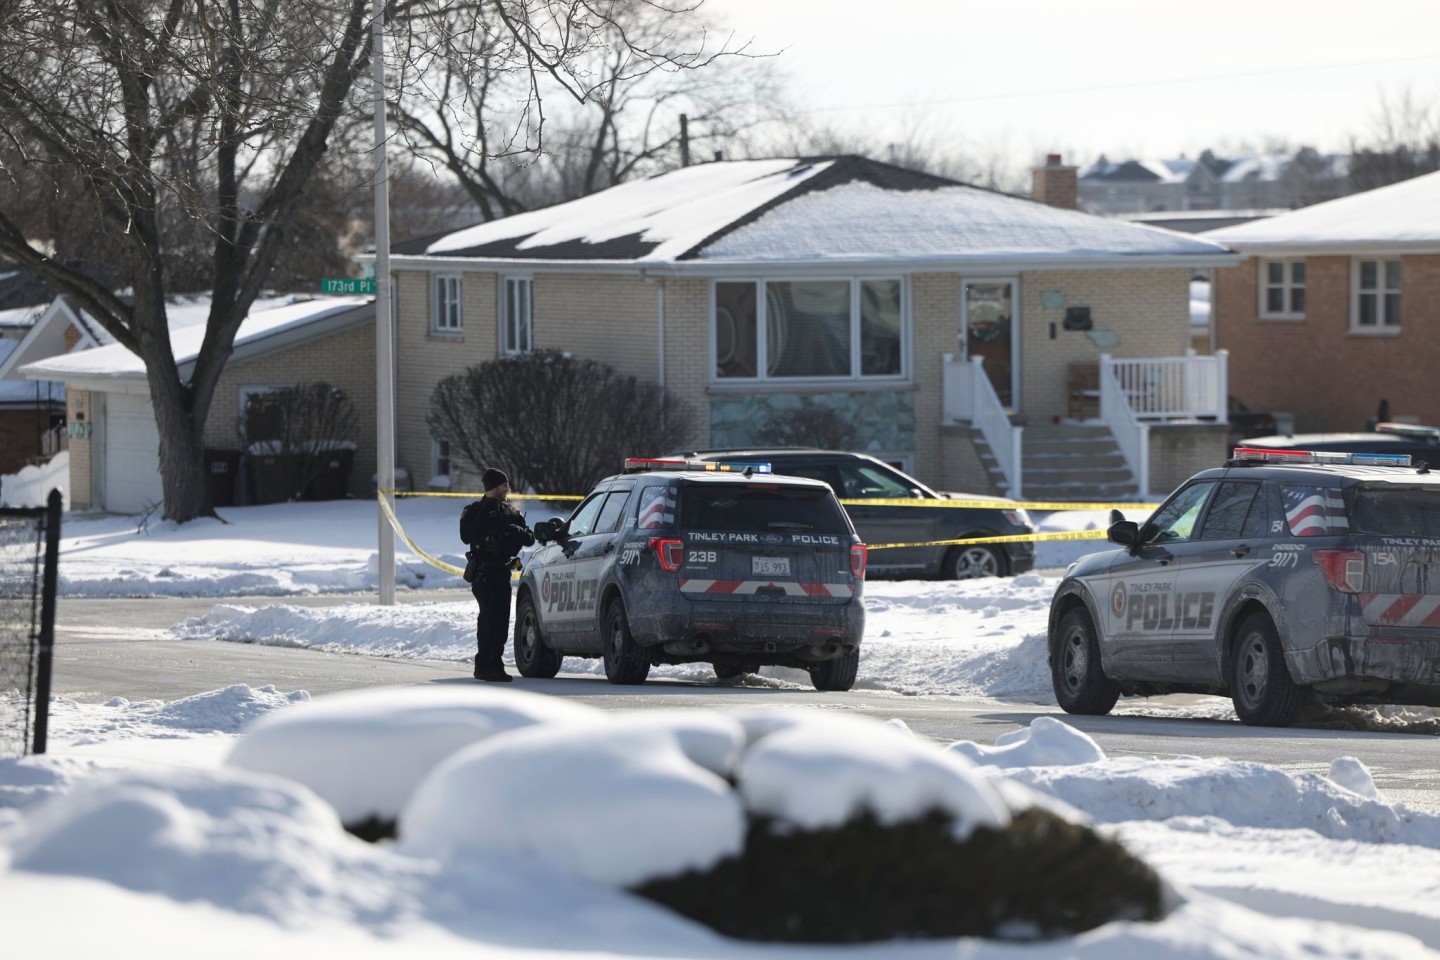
{"x":971,"y":563}
{"x":625,"y":662}
{"x":1260,"y":684}
{"x":836,"y":675}
{"x":532,"y":658}
{"x":729,"y":671}
{"x":1081,"y":686}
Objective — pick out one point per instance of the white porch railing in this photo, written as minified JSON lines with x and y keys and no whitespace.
{"x":1131,"y":436}
{"x":1135,"y":392}
{"x":1172,"y":388}
{"x":968,"y":396}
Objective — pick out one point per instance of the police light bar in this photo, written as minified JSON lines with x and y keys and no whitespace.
{"x":753,"y":466}
{"x":1322,"y":456}
{"x":642,"y":464}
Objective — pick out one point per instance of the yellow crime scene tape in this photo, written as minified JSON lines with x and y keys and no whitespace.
{"x":877,"y":502}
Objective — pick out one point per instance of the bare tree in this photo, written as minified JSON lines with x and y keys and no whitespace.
{"x":518,"y":139}
{"x":1405,"y":143}
{"x":556,"y":424}
{"x":303,"y":427}
{"x":218,"y":114}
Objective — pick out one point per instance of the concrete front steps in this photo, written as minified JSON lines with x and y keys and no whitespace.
{"x":1067,"y":462}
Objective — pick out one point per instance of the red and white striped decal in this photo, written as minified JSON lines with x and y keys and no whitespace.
{"x":1400,"y":609}
{"x":791,"y":587}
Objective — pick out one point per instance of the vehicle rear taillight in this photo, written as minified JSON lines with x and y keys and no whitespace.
{"x":669,"y":551}
{"x":859,"y":560}
{"x":1344,"y":569}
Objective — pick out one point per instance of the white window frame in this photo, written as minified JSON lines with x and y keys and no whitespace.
{"x":762,"y":360}
{"x":447,"y":298}
{"x":517,"y":333}
{"x":1385,"y":325}
{"x":440,"y":457}
{"x":1287,"y":285}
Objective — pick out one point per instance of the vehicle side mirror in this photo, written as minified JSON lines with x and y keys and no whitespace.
{"x":548,"y":531}
{"x":1124,"y":532}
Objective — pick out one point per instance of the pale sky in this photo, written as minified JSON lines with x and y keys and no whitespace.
{"x":1027,"y":77}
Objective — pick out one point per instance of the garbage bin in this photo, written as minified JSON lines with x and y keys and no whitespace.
{"x":270,"y":476}
{"x":331,"y":481}
{"x":222,"y":467}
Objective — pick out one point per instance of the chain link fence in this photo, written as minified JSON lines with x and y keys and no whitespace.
{"x":29,"y":552}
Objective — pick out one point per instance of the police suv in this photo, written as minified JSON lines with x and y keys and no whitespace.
{"x":676,"y":561}
{"x":1280,"y":577}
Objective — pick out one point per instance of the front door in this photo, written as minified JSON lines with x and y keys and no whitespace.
{"x":987,"y":329}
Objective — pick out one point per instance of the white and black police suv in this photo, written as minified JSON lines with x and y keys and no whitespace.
{"x":1279,"y":577}
{"x":676,"y":561}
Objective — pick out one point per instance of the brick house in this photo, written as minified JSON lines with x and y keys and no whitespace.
{"x":939,"y":319}
{"x":1337,"y":308}
{"x":114,"y":443}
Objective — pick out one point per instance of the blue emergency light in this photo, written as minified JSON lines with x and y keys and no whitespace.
{"x":1322,"y":456}
{"x":643,"y":464}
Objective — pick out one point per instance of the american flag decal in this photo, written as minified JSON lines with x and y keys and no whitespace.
{"x":657,"y":508}
{"x":1314,"y":511}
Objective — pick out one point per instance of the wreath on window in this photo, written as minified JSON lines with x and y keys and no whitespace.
{"x":987,"y":331}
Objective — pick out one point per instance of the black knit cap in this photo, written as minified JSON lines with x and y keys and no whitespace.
{"x":491,"y":479}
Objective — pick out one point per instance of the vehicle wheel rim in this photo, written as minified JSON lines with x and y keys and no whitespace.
{"x":974,"y":564}
{"x":527,"y":638}
{"x":616,"y":638}
{"x":1254,"y":669}
{"x":1076,"y":663}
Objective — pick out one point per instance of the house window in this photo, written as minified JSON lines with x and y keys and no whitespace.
{"x":439,"y":462}
{"x":445,"y":317}
{"x":808,"y":329}
{"x":1375,"y":305}
{"x":1282,"y":289}
{"x":517,"y":325}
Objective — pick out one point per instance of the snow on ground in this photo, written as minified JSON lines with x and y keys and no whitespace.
{"x":212,"y":822}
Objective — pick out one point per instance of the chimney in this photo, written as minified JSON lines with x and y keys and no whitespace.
{"x":1055,"y":183}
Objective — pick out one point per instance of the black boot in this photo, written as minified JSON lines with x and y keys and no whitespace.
{"x":492,"y":673}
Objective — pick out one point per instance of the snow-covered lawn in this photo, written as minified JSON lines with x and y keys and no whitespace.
{"x":210,"y":825}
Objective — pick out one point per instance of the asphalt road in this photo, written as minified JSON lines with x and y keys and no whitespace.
{"x":123,"y":648}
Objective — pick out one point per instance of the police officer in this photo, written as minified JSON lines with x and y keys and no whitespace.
{"x":501,"y":533}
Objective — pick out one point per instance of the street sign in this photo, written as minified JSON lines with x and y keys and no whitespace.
{"x":348,"y":285}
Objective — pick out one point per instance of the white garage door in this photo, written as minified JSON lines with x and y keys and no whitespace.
{"x":132,"y":454}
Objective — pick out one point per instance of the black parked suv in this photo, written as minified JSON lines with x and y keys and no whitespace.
{"x":858,"y":476}
{"x":676,"y":562}
{"x":1419,"y":442}
{"x":1281,"y":577}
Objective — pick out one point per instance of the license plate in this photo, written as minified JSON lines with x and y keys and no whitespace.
{"x":770,"y":566}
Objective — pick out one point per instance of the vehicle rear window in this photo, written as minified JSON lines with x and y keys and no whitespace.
{"x":1312,"y":511}
{"x":759,"y":507}
{"x":1397,"y":512}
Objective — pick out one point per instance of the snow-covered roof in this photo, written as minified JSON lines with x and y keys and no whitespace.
{"x":1403,"y":216}
{"x":673,"y":212}
{"x":267,"y":319}
{"x":838,"y":209}
{"x":22,"y":317}
{"x":859,"y":221}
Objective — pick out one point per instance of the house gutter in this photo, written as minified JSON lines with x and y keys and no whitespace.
{"x":1345,"y":248}
{"x":839,"y":266}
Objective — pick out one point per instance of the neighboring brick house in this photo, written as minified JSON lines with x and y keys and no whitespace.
{"x":1337,"y":308}
{"x":742,"y":287}
{"x":114,"y":443}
